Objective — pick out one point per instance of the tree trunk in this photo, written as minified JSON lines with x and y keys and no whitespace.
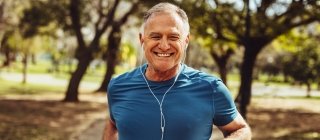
{"x":308,"y":90}
{"x":247,"y":67}
{"x":7,"y":60}
{"x":6,"y":50}
{"x":114,"y":40}
{"x":33,"y":59}
{"x":285,"y":78}
{"x":77,"y":75}
{"x":222,"y":61}
{"x":223,"y":72}
{"x":84,"y":53}
{"x":111,"y":64}
{"x":25,"y":68}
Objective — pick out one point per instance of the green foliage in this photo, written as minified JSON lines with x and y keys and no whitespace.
{"x":25,"y":46}
{"x":304,"y":64}
{"x":289,"y":42}
{"x":295,"y":55}
{"x":127,"y":54}
{"x":48,"y":15}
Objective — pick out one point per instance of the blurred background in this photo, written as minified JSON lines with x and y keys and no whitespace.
{"x":58,"y":56}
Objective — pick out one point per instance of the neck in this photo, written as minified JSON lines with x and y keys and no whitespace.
{"x":156,"y":75}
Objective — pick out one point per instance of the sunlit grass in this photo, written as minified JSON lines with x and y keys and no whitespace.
{"x":43,"y":66}
{"x":96,"y":78}
{"x":93,"y":74}
{"x":10,"y":87}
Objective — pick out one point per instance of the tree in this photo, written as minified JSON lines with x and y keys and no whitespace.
{"x":35,"y":21}
{"x":14,"y":37}
{"x":270,"y":62}
{"x":114,"y":40}
{"x":197,"y":61}
{"x":9,"y":20}
{"x":220,"y":51}
{"x":50,"y":21}
{"x":76,"y":17}
{"x":7,"y":50}
{"x":254,"y":25}
{"x":303,"y":62}
{"x":106,"y":12}
{"x":2,"y":24}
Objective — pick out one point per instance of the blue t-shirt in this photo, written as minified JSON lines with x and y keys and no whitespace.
{"x":195,"y":102}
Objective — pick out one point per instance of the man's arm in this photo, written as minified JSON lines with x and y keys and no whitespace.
{"x":110,"y":131}
{"x":238,"y":129}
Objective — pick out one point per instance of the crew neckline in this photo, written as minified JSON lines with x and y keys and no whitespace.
{"x":169,"y":81}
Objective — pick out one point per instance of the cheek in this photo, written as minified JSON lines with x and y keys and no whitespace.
{"x":180,"y":49}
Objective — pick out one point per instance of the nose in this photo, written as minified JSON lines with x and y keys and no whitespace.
{"x":164,"y":45}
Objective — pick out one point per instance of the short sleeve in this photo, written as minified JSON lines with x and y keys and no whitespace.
{"x":109,"y":98}
{"x":224,"y":108}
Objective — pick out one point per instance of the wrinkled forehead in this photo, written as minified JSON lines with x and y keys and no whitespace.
{"x":164,"y":18}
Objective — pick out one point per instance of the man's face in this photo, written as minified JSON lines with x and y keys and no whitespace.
{"x":164,"y":41}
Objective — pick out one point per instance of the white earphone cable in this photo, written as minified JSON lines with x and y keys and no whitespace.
{"x":162,"y":118}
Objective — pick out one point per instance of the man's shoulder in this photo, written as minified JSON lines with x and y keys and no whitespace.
{"x":192,"y":73}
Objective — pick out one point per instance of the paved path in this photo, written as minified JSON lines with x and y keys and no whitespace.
{"x":93,"y":132}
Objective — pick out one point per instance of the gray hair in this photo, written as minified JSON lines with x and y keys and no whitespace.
{"x":167,"y":7}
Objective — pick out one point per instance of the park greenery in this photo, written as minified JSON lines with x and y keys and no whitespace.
{"x":93,"y":40}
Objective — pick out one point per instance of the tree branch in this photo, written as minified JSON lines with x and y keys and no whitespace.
{"x":214,"y":55}
{"x":110,"y":17}
{"x":76,"y":25}
{"x":217,"y":3}
{"x":265,"y":4}
{"x":125,"y":17}
{"x":294,"y":7}
{"x":100,"y":14}
{"x":218,"y":28}
{"x":247,"y":19}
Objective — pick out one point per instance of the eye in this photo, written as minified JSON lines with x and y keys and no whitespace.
{"x":174,"y":38}
{"x":155,"y":37}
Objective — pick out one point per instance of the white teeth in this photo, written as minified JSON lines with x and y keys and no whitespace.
{"x":163,"y":54}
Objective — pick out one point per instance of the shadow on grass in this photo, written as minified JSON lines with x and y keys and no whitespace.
{"x":275,"y":124}
{"x":290,"y":97}
{"x":49,"y":120}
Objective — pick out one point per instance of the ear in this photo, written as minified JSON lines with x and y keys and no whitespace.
{"x":187,"y":41}
{"x":141,"y":39}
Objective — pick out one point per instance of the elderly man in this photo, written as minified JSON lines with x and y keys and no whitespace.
{"x":165,"y":99}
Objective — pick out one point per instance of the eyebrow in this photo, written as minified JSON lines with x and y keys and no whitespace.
{"x":174,"y":34}
{"x":154,"y":33}
{"x":171,"y":34}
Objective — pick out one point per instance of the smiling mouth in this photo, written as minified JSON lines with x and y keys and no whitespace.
{"x":164,"y":54}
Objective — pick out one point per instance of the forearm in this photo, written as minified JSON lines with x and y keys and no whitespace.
{"x":109,"y":136}
{"x":240,"y":134}
{"x":110,"y":132}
